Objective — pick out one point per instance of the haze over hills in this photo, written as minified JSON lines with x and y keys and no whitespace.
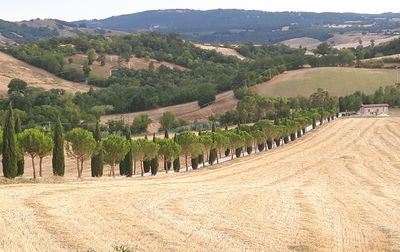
{"x":247,"y":26}
{"x":212,"y":26}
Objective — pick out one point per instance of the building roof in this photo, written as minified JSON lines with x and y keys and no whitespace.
{"x":374,"y":105}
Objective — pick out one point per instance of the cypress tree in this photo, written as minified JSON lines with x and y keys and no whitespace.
{"x":201,"y":156}
{"x":249,"y":149}
{"x":122,"y":167}
{"x":167,"y":164}
{"x":128,"y":160}
{"x":9,"y":161}
{"x":228,"y":150}
{"x":177,"y":161}
{"x":96,"y":162}
{"x":213,"y":152}
{"x":321,"y":114}
{"x":238,"y":152}
{"x":20,"y":161}
{"x":195,"y":163}
{"x":270,"y":143}
{"x":58,"y":159}
{"x":154,"y":161}
{"x":146,"y":163}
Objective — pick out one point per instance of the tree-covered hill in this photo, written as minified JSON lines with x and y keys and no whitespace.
{"x":215,"y":26}
{"x":15,"y":33}
{"x":206,"y":73}
{"x":29,"y":31}
{"x":238,"y":26}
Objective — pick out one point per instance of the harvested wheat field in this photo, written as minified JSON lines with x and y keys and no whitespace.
{"x":338,"y":81}
{"x":12,"y":68}
{"x":336,"y":189}
{"x":222,"y":50}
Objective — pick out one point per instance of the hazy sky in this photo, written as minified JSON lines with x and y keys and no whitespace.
{"x":71,"y":10}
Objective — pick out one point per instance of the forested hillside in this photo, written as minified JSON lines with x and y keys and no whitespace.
{"x":205,"y":73}
{"x":22,"y":33}
{"x":239,"y":26}
{"x":128,"y":90}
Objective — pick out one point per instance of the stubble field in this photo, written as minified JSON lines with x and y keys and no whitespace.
{"x":334,"y":189}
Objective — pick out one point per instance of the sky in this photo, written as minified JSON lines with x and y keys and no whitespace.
{"x":72,"y":10}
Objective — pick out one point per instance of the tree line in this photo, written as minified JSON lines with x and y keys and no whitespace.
{"x":112,"y":149}
{"x":389,"y":94}
{"x":128,"y":90}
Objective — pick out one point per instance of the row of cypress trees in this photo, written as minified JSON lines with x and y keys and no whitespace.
{"x":13,"y":164}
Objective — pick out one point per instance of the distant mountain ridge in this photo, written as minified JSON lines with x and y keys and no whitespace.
{"x":232,"y":25}
{"x":29,"y":31}
{"x":211,"y":26}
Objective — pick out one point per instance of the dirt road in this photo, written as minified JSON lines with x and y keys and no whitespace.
{"x":337,"y":189}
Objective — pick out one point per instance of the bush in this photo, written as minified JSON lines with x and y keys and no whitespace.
{"x":73,"y":74}
{"x":124,"y":248}
{"x":242,"y":92}
{"x":206,"y":95}
{"x":140,"y":124}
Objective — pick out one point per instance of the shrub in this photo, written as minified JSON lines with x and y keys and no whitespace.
{"x":140,"y":124}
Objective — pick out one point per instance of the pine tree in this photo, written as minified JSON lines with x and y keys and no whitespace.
{"x":9,"y":161}
{"x":154,"y":161}
{"x":128,"y":160}
{"x":58,"y":160}
{"x":20,"y":161}
{"x":122,"y":167}
{"x":96,"y":162}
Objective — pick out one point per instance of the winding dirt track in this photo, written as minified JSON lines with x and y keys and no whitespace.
{"x":336,"y":189}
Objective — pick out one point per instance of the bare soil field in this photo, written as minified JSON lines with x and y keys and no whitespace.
{"x":352,"y":39}
{"x":12,"y":68}
{"x":188,"y":111}
{"x":112,"y":62}
{"x":305,"y":42}
{"x":337,"y":80}
{"x":336,"y":189}
{"x":222,"y":50}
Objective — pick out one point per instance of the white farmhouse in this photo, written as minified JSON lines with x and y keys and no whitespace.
{"x":374,"y":110}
